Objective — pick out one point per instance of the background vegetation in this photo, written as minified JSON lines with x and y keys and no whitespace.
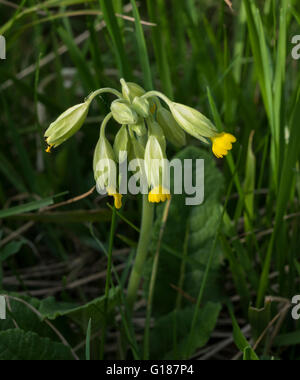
{"x":227,"y":269}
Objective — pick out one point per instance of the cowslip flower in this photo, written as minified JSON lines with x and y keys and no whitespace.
{"x":145,"y":126}
{"x":66,"y":125}
{"x":197,"y":125}
{"x":155,"y":163}
{"x":171,"y":129}
{"x":222,"y":144}
{"x":105,"y":167}
{"x":123,"y":113}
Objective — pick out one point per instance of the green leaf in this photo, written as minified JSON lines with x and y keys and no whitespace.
{"x":292,"y":339}
{"x":88,"y":341}
{"x":162,"y":336}
{"x":94,"y":310}
{"x":10,"y":250}
{"x":62,"y":217}
{"x":240,"y":340}
{"x":32,"y":206}
{"x":248,"y":354}
{"x":249,"y":185}
{"x":259,"y":319}
{"x":21,"y":345}
{"x":161,"y":53}
{"x":27,"y":320}
{"x":117,"y":38}
{"x":142,"y":48}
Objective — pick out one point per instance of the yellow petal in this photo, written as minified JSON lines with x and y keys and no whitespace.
{"x":159,"y":194}
{"x":49,"y":148}
{"x":117,"y":200}
{"x":222,"y":144}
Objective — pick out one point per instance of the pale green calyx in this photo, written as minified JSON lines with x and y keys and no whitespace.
{"x":139,"y":128}
{"x":155,"y":162}
{"x":137,"y":150}
{"x":67,"y":124}
{"x":122,"y":144}
{"x":171,"y":129}
{"x":193,"y":121}
{"x":123,"y":112}
{"x":156,"y":130}
{"x":131,"y":90}
{"x":141,"y":106}
{"x":104,"y":167}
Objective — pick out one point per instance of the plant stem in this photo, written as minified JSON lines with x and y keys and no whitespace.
{"x":151,"y":94}
{"x":93,"y":95}
{"x":153,"y":282}
{"x":141,"y":255}
{"x":108,"y":281}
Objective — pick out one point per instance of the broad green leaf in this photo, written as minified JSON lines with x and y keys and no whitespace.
{"x":162,"y":336}
{"x":21,"y":345}
{"x":28,"y":320}
{"x":94,"y":310}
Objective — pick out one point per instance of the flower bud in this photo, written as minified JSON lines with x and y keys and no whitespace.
{"x":139,"y":128}
{"x":141,"y":106}
{"x":123,"y":113}
{"x":131,"y":90}
{"x":136,"y":161}
{"x":137,"y":150}
{"x":67,"y":125}
{"x":155,"y":163}
{"x":156,"y":130}
{"x":104,"y":166}
{"x":122,"y":144}
{"x":170,"y":127}
{"x":193,"y":122}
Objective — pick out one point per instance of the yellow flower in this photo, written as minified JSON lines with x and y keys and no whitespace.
{"x":49,"y":149}
{"x":159,"y":194}
{"x":222,"y":143}
{"x":118,"y":199}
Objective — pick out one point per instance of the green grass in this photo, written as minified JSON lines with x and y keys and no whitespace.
{"x":212,"y":263}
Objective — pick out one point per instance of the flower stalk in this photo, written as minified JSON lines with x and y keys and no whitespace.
{"x":141,"y":254}
{"x":145,"y":127}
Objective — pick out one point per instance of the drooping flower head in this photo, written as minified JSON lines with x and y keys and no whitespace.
{"x":146,"y":125}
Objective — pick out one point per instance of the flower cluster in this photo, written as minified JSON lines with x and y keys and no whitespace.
{"x":145,"y":127}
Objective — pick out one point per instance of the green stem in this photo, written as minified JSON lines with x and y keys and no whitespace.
{"x":108,"y":281}
{"x":142,"y":251}
{"x":93,"y":95}
{"x":104,"y":124}
{"x":153,"y":282}
{"x":157,"y":94}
